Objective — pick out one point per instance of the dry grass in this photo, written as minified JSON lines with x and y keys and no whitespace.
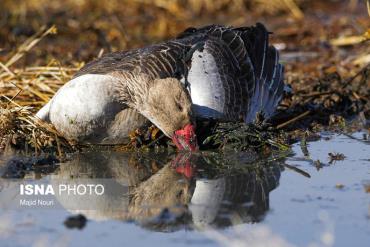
{"x":19,"y":128}
{"x":34,"y":85}
{"x":23,"y":89}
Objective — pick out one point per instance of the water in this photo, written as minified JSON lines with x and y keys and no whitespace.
{"x":157,"y":200}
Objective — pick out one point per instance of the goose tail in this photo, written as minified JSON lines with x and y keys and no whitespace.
{"x":43,"y":113}
{"x":269,"y":73}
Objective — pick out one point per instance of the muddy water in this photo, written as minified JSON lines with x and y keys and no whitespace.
{"x":198,"y":200}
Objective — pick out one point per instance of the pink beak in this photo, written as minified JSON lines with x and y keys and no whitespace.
{"x":185,"y":139}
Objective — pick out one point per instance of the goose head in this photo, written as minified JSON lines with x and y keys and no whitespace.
{"x":168,"y":106}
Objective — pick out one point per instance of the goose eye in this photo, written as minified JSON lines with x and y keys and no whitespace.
{"x":179,"y":107}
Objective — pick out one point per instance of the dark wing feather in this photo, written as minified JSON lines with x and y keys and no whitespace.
{"x":269,"y":83}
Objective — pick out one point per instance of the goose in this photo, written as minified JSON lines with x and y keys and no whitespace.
{"x":213,"y":72}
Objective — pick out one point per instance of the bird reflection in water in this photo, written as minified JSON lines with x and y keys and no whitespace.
{"x":164,"y":193}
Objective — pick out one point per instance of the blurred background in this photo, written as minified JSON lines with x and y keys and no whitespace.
{"x":87,"y":28}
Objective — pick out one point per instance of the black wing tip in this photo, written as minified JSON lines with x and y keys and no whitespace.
{"x":261,"y":26}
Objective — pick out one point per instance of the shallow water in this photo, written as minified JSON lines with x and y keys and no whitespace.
{"x":181,"y":200}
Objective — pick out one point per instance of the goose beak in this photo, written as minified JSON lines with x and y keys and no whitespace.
{"x":185,"y":139}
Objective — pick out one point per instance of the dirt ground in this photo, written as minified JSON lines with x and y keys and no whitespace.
{"x":324,"y":46}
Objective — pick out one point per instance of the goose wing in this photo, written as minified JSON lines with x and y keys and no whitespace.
{"x":235,"y":74}
{"x":217,"y":87}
